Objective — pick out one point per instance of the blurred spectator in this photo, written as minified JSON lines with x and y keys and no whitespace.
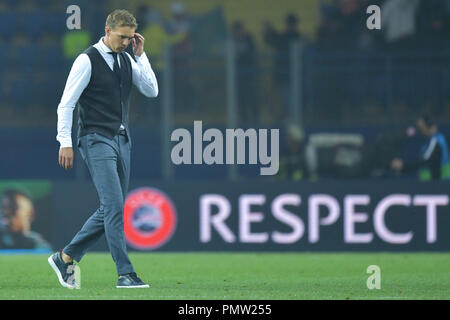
{"x":246,"y":68}
{"x":281,"y":42}
{"x":342,"y":26}
{"x":144,"y":15}
{"x":154,"y":29}
{"x":398,"y":22}
{"x":353,"y":16}
{"x":179,"y":26}
{"x":330,"y":29}
{"x":434,"y":161}
{"x":433,"y":26}
{"x":179,"y":22}
{"x":15,"y":228}
{"x":297,"y":160}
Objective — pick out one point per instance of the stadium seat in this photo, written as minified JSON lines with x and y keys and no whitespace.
{"x":32,"y":24}
{"x":5,"y":54}
{"x":8,"y":25}
{"x":12,"y":3}
{"x":55,"y":23}
{"x":40,"y":90}
{"x":46,"y":90}
{"x":27,"y":54}
{"x":4,"y":90}
{"x":20,"y":92}
{"x":50,"y":56}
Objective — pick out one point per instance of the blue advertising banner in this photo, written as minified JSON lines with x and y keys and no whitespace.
{"x":271,"y":216}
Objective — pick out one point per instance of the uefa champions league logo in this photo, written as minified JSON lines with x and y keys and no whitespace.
{"x":149,"y":218}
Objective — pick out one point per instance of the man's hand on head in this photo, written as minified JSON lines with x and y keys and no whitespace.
{"x":138,"y":44}
{"x":65,"y":159}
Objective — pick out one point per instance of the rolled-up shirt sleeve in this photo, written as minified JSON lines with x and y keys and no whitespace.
{"x":77,"y":81}
{"x":143,"y":76}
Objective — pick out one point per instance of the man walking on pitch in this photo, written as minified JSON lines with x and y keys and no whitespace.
{"x":100,"y":83}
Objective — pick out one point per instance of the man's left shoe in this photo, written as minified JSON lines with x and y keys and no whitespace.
{"x":130,"y":280}
{"x":64,"y":271}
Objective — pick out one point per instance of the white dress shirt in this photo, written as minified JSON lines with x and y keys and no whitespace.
{"x":80,"y":74}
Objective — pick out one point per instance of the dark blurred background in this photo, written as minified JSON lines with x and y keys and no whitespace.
{"x":345,"y":98}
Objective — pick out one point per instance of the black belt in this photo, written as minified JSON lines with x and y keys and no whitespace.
{"x":122,"y":132}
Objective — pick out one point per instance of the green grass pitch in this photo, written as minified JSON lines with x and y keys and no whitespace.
{"x":225,"y":276}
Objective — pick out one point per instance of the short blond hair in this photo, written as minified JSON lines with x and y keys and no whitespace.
{"x":121,"y":18}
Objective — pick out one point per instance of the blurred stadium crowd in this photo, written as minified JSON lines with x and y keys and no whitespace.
{"x":357,"y":88}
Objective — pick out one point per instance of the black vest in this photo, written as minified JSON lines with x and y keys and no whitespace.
{"x":105,"y":102}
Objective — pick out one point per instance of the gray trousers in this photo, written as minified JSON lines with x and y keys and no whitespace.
{"x":109,"y":165}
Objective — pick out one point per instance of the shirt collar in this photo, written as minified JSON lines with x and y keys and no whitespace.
{"x":103,"y":46}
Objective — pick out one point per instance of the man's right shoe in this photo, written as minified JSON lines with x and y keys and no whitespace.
{"x":130,"y":280}
{"x":64,"y":271}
